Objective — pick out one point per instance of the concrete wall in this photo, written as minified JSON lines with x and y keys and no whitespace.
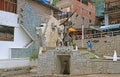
{"x":14,"y":63}
{"x":30,"y":21}
{"x":41,"y":10}
{"x":21,"y":39}
{"x":8,"y":18}
{"x":103,"y":46}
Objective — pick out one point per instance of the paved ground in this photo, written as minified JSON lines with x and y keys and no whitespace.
{"x":95,"y":75}
{"x":101,"y":75}
{"x":33,"y":74}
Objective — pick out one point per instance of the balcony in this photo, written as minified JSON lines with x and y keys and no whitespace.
{"x":112,"y":6}
{"x":112,"y":9}
{"x":65,"y":15}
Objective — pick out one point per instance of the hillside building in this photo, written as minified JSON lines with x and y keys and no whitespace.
{"x":84,"y":11}
{"x":111,"y":15}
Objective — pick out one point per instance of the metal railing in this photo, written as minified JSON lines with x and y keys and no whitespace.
{"x":98,"y":35}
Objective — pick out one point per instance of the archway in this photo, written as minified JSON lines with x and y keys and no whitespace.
{"x":63,"y":64}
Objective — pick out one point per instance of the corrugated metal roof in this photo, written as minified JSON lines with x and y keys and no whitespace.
{"x":110,"y":27}
{"x":45,"y":2}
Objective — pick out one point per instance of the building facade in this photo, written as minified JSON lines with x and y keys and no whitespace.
{"x":112,"y":12}
{"x":20,"y":30}
{"x":111,"y":15}
{"x":84,"y":11}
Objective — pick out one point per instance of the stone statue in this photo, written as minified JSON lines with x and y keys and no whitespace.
{"x":67,"y":39}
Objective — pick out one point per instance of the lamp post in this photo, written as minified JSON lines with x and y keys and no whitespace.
{"x":82,"y":35}
{"x":82,"y":29}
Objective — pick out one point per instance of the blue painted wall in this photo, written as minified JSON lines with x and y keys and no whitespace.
{"x":30,"y":22}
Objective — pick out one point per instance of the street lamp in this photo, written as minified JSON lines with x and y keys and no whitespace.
{"x":82,"y":29}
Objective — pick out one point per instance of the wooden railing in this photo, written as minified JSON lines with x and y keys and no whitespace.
{"x":6,"y":37}
{"x":112,"y":9}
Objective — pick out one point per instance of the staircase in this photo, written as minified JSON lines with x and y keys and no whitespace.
{"x":57,"y":76}
{"x":89,"y":54}
{"x":62,"y":76}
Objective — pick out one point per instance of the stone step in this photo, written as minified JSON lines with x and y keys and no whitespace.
{"x":54,"y":76}
{"x":63,"y":76}
{"x":14,"y":71}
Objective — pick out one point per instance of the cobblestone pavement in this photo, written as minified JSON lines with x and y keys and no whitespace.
{"x":95,"y":75}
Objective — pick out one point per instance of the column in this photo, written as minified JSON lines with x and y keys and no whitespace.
{"x":106,"y":19}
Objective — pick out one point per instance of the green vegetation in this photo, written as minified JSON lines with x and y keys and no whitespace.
{"x":74,"y":45}
{"x":86,"y":54}
{"x":94,"y":58}
{"x":33,"y":55}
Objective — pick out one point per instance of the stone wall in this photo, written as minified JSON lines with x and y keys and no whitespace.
{"x":98,"y":67}
{"x":48,"y":64}
{"x":78,"y":64}
{"x":103,"y":46}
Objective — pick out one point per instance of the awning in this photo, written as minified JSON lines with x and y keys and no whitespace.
{"x":115,"y":26}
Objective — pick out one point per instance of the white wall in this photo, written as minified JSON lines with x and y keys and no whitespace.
{"x":13,"y":63}
{"x":7,"y":18}
{"x":21,"y":39}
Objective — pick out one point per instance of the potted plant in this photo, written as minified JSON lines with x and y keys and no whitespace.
{"x":74,"y":45}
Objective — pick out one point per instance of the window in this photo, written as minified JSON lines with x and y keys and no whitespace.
{"x":6,"y":33}
{"x":8,"y":5}
{"x":83,"y":18}
{"x":90,"y":20}
{"x":89,"y":13}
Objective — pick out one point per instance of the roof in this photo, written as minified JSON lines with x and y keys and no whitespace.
{"x":110,"y":27}
{"x":110,"y":1}
{"x":47,"y":3}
